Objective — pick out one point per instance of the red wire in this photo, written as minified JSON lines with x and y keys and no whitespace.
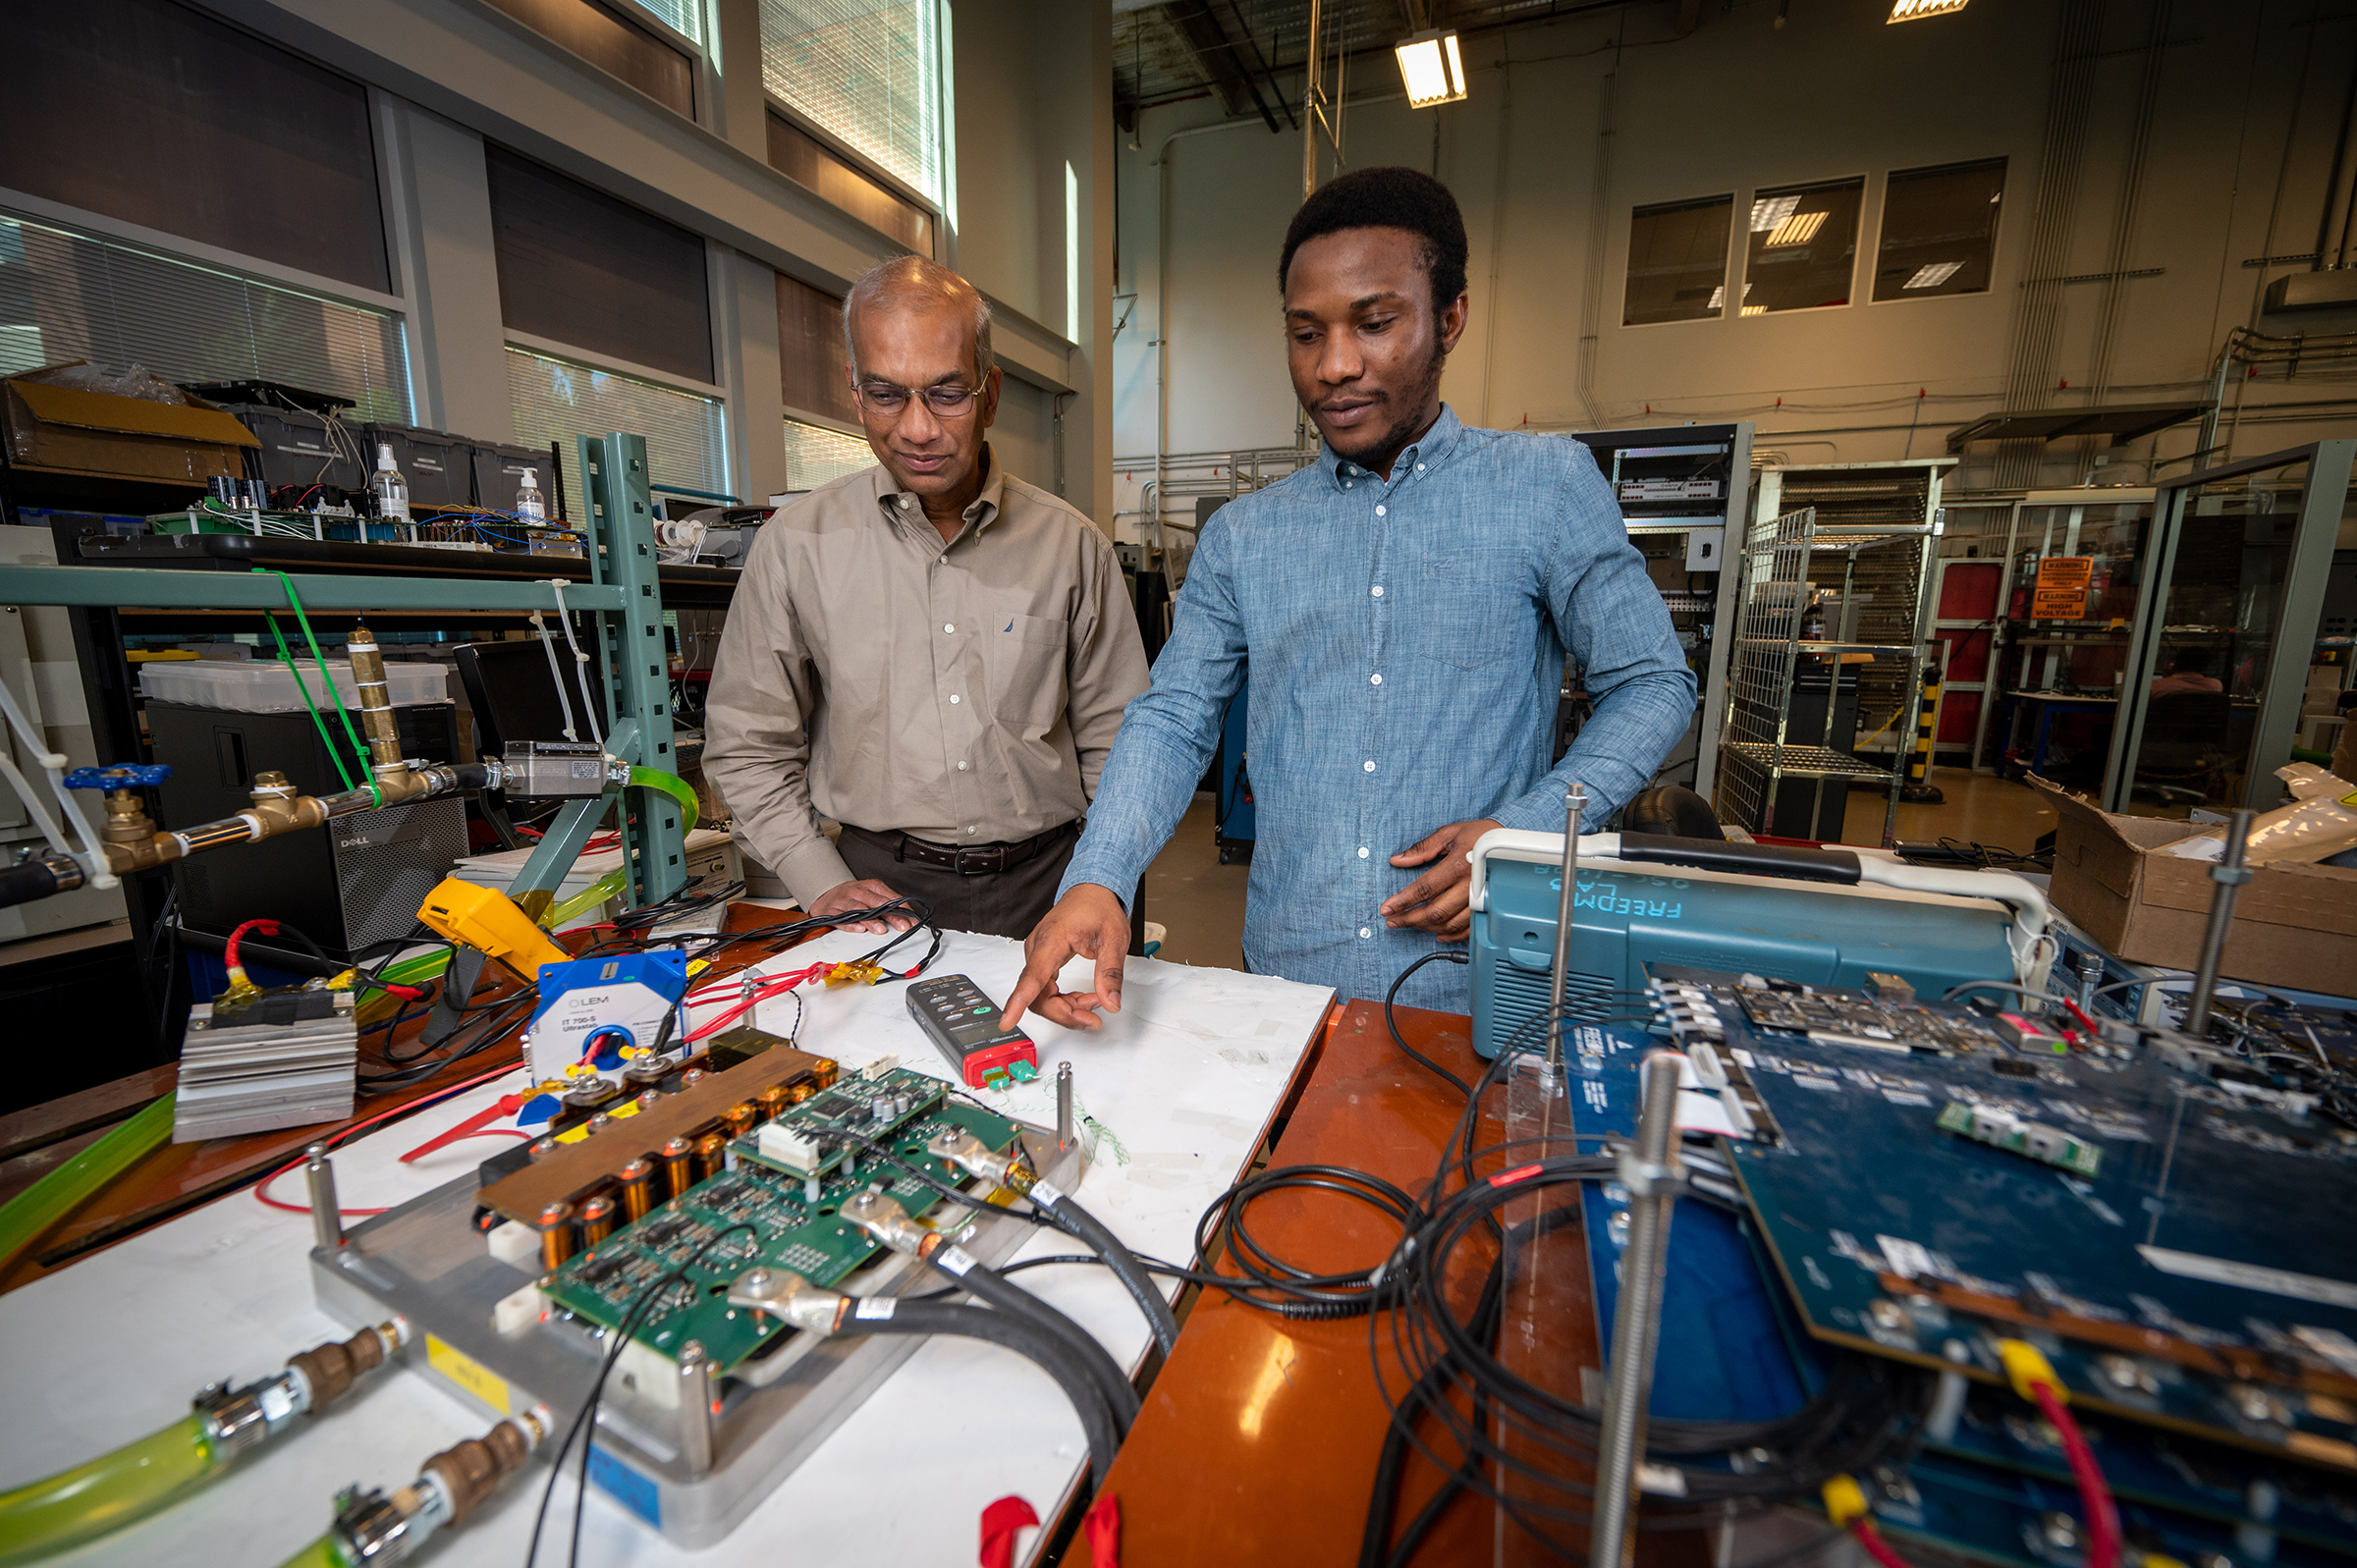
{"x":1876,"y":1547}
{"x":228,"y":948}
{"x":2102,"y":1518}
{"x":261,"y":1190}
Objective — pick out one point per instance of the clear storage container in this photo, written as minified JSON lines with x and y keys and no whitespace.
{"x":260,"y":688}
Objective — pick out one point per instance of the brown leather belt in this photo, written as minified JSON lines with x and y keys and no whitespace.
{"x":967,"y":860}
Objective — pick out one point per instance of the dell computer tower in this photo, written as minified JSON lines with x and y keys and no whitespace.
{"x":358,"y":879}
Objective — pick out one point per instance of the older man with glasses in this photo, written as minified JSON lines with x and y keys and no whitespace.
{"x":930,"y":651}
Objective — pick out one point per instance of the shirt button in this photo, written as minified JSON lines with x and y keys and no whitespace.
{"x":969,"y":829}
{"x":1370,"y":765}
{"x":954,"y":696}
{"x":1419,"y":468}
{"x":1381,"y":511}
{"x":947,"y":627}
{"x":945,"y":561}
{"x":1372,"y":679}
{"x":1378,"y":590}
{"x":961,"y":766}
{"x":906,"y":502}
{"x":1362,"y":852}
{"x":1365,"y":932}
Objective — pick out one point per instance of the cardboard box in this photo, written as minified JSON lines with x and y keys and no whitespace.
{"x":2295,"y":925}
{"x":73,"y":430}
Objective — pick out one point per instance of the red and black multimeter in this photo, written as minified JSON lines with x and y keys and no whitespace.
{"x":965,"y":1023}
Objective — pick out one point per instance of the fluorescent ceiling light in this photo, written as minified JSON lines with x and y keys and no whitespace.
{"x":1718,"y":297}
{"x":1933,"y":276}
{"x":1917,"y":10}
{"x":1798,"y":229}
{"x":1769,"y":211}
{"x":1433,"y":69}
{"x":1755,"y":310}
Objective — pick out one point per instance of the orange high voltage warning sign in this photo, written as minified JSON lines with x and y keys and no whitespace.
{"x":2061,"y":591}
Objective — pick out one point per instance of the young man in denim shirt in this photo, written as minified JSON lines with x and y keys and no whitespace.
{"x":1404,"y":605}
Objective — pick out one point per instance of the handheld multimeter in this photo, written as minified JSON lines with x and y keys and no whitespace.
{"x":965,"y":1023}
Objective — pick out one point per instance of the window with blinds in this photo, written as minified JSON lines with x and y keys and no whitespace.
{"x":866,"y":70}
{"x":815,"y":455}
{"x":596,"y":274}
{"x":156,"y":114}
{"x":557,"y":399}
{"x":67,"y":295}
{"x":616,"y":44}
{"x":685,"y":17}
{"x":813,"y":366}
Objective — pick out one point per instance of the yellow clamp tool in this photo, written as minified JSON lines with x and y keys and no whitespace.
{"x":485,"y":918}
{"x":1845,"y":1501}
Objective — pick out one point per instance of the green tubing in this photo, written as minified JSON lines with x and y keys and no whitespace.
{"x":589,"y":897}
{"x":110,"y":1491}
{"x":672,"y":785}
{"x":33,"y":1213}
{"x":325,"y":1552}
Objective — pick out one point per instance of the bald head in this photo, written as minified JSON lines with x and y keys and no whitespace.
{"x":917,"y":286}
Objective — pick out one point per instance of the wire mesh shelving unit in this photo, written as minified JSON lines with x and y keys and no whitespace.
{"x":1785,"y":558}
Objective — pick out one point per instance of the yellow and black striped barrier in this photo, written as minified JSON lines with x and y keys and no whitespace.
{"x":1919,"y":788}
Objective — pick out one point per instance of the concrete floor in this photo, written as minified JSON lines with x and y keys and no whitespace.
{"x":1201,"y":902}
{"x":1979,"y":807}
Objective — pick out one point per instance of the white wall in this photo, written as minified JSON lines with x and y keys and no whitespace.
{"x":1740,"y":104}
{"x":1034,"y":89}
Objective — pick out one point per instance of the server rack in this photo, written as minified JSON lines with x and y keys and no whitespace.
{"x":1683,"y":492}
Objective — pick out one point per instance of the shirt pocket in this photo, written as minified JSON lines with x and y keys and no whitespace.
{"x":1023,"y":659}
{"x":1471,"y":607}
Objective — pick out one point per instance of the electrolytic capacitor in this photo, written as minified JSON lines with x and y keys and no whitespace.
{"x":740,"y":1118}
{"x":769,"y":1102}
{"x":597,"y":1221}
{"x":710,"y":1161}
{"x":637,"y":1180}
{"x":556,"y":1236}
{"x":679,"y":1173}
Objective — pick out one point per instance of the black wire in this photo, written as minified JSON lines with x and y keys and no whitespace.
{"x":1450,"y":955}
{"x":587,"y":1414}
{"x":1298,"y":1292}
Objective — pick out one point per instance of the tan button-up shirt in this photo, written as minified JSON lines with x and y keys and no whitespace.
{"x":967,"y":693}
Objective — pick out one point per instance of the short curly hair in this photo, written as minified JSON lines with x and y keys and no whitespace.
{"x":1390,"y":198}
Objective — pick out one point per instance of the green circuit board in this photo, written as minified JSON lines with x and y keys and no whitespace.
{"x":754,"y":1215}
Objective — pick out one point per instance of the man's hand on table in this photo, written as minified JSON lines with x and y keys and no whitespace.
{"x":1439,"y":901}
{"x":849,"y":897}
{"x":1089,"y":922}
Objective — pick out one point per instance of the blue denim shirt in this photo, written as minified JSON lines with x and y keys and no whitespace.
{"x":1405,"y":640}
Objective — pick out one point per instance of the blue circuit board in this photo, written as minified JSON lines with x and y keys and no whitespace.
{"x":2000,"y":1516}
{"x":1732,"y":1346}
{"x":2166,"y":1470}
{"x":2202,"y":1280}
{"x":1998,"y":1484}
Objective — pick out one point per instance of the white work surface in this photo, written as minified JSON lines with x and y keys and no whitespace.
{"x":1182,"y":1084}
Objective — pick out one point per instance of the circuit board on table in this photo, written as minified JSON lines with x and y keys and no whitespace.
{"x":757,"y":1214}
{"x":2202,"y":1277}
{"x":1996,"y":1482}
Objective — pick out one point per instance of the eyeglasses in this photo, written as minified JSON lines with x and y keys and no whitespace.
{"x":889,"y":401}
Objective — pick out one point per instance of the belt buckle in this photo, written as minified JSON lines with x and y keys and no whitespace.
{"x":984,"y":863}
